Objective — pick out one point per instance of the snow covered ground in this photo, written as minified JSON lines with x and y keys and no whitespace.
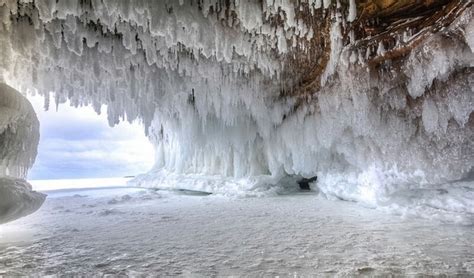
{"x":137,"y":231}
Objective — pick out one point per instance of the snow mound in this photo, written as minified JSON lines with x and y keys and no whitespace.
{"x":17,"y":199}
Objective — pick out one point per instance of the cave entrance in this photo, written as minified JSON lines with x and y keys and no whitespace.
{"x":77,"y":143}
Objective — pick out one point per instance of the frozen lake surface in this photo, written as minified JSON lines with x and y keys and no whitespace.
{"x":136,"y":232}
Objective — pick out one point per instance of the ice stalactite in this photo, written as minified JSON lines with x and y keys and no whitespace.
{"x":374,"y":98}
{"x":19,"y":137}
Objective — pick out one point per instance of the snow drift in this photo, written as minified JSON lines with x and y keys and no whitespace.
{"x":252,"y":96}
{"x":19,"y":136}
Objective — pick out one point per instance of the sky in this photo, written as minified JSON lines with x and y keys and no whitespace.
{"x":78,"y":143}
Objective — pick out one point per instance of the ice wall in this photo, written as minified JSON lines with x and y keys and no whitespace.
{"x":210,"y":81}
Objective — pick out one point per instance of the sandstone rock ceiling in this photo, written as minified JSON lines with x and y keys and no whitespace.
{"x":378,"y":22}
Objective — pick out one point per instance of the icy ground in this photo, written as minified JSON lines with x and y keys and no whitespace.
{"x":142,"y":231}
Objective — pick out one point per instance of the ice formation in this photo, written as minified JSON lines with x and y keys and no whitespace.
{"x":372,"y":97}
{"x":19,"y":136}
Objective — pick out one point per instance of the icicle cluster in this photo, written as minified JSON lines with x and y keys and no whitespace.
{"x":107,"y":50}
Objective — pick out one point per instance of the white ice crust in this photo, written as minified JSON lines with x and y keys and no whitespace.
{"x":206,"y":88}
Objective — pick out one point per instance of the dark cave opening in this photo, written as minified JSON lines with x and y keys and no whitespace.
{"x":304,"y":183}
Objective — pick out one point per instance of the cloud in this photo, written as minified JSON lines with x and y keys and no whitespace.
{"x":78,"y":143}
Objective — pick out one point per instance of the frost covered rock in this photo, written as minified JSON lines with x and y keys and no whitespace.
{"x":17,"y":199}
{"x":19,"y":137}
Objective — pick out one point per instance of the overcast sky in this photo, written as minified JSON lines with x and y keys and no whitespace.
{"x":78,"y":143}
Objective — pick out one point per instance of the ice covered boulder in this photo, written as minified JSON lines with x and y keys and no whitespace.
{"x":19,"y":137}
{"x":17,"y":199}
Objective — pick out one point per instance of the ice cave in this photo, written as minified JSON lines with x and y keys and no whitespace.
{"x":373,"y":98}
{"x":369,"y":101}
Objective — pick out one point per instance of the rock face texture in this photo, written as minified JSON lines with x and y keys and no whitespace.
{"x":19,"y":136}
{"x":372,"y":97}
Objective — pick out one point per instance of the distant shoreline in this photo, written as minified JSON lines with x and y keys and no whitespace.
{"x":60,"y":184}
